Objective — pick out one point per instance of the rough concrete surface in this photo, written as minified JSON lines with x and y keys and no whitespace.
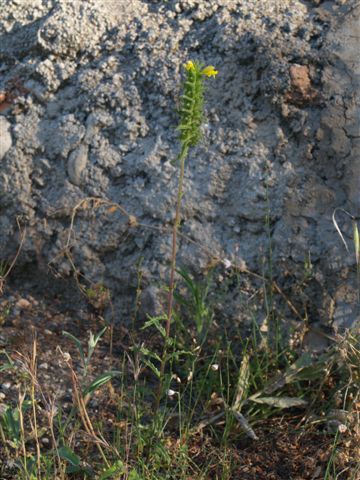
{"x":93,"y":88}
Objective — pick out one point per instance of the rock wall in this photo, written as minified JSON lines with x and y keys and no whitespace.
{"x":89,"y":96}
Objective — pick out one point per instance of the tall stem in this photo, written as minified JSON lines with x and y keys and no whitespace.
{"x":182,"y":158}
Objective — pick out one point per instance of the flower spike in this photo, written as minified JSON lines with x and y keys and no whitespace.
{"x":192,"y":102}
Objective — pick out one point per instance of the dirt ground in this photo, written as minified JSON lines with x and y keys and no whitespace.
{"x":288,"y":446}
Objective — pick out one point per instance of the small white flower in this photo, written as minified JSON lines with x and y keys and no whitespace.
{"x":66,"y":356}
{"x":171,"y":393}
{"x":215,"y":367}
{"x":190,"y":376}
{"x":227,"y":263}
{"x":342,"y":428}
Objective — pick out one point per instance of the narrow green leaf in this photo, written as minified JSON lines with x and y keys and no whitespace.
{"x":155,"y":322}
{"x":152,"y":367}
{"x":148,"y":353}
{"x":133,"y":475}
{"x":290,"y":375}
{"x":67,"y":454}
{"x":100,"y":381}
{"x":77,"y":343}
{"x":7,"y":366}
{"x":94,"y":339}
{"x":280,"y":402}
{"x":244,"y":424}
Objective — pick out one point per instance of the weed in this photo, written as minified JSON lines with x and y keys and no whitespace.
{"x":191,"y":117}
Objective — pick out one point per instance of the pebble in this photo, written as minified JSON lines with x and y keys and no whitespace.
{"x":77,"y":163}
{"x":22,"y":303}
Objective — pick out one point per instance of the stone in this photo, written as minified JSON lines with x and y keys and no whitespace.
{"x":77,"y":163}
{"x":23,"y":304}
{"x":280,"y":150}
{"x":5,"y":137}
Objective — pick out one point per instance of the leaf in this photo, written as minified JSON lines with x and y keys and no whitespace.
{"x":290,"y":375}
{"x":117,"y":469}
{"x":67,"y":454}
{"x":337,"y":226}
{"x":155,"y":321}
{"x":92,"y":342}
{"x":280,"y":402}
{"x":148,"y":353}
{"x":244,"y":425}
{"x":208,"y":421}
{"x":188,"y":281}
{"x":133,"y":475}
{"x":7,"y":366}
{"x":243,"y":382}
{"x":77,"y":343}
{"x":152,"y":367}
{"x":100,"y":381}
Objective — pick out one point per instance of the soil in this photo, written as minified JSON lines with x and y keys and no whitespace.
{"x":287,"y":447}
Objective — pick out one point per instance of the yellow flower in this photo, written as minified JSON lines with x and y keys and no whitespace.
{"x":209,"y":71}
{"x":189,"y":65}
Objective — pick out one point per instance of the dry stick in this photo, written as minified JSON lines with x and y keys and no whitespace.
{"x":182,"y":157}
{"x":84,"y":415}
{"x":12,"y":264}
{"x":50,"y":417}
{"x":22,"y":430}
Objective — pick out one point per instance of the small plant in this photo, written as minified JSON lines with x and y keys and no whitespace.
{"x":308,"y":268}
{"x":191,"y":117}
{"x":195,"y":302}
{"x":92,"y":342}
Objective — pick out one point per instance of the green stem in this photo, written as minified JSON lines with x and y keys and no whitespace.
{"x":182,"y":158}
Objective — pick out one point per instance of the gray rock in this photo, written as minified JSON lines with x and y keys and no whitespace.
{"x":280,"y":151}
{"x":77,"y":164}
{"x":5,"y":137}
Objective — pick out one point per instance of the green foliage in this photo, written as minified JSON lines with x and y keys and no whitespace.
{"x":192,"y":102}
{"x":192,"y":105}
{"x":92,"y":342}
{"x":10,"y":422}
{"x":195,"y":301}
{"x":73,"y":461}
{"x":99,"y":381}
